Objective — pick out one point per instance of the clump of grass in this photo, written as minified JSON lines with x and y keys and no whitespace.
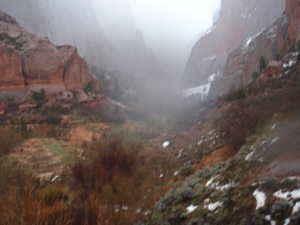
{"x":9,"y":139}
{"x":53,"y":193}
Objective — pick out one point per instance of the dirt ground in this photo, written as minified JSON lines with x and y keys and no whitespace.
{"x":46,"y":157}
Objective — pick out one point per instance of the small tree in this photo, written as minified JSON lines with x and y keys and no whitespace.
{"x":255,"y":75}
{"x":262,"y":63}
{"x":39,"y":98}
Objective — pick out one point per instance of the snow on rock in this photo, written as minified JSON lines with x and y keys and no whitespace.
{"x":213,"y":57}
{"x":200,"y":142}
{"x":260,"y":198}
{"x":274,"y":125}
{"x":166,"y":144}
{"x":268,"y":218}
{"x":201,"y":91}
{"x":288,"y":195}
{"x":191,"y":208}
{"x":287,"y":221}
{"x":274,"y":140}
{"x":249,"y":157}
{"x":226,"y":186}
{"x":212,"y":77}
{"x":125,"y":207}
{"x":296,"y":207}
{"x":247,"y":43}
{"x":213,"y":206}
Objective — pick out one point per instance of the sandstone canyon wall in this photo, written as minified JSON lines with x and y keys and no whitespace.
{"x":31,"y":63}
{"x":104,"y":33}
{"x":238,"y":20}
{"x":271,"y":43}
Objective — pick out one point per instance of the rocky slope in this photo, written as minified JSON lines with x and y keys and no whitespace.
{"x":104,"y":33}
{"x":238,"y":20}
{"x":32,"y":63}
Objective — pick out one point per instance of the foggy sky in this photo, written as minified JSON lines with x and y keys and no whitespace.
{"x":171,"y":27}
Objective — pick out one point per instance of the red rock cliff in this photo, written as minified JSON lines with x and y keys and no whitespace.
{"x":272,"y":42}
{"x":238,"y":20}
{"x":29,"y":63}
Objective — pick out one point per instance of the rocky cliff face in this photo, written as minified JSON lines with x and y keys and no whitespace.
{"x":238,"y":20}
{"x":271,"y":43}
{"x":104,"y":33}
{"x":31,"y":63}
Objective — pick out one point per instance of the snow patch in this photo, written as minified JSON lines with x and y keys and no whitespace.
{"x":260,"y":198}
{"x":287,"y":221}
{"x":288,"y":195}
{"x":210,"y":58}
{"x":274,"y":125}
{"x":247,"y":43}
{"x":213,"y":76}
{"x":296,"y":207}
{"x":191,"y":208}
{"x":201,"y":91}
{"x":166,"y":144}
{"x":274,"y":140}
{"x":268,"y":218}
{"x":213,"y":206}
{"x":249,"y":157}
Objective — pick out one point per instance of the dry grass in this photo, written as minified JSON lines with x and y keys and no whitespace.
{"x":9,"y":139}
{"x":22,"y":205}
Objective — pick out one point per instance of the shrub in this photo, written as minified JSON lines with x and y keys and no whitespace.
{"x":9,"y":139}
{"x":235,"y":94}
{"x":295,"y":219}
{"x":10,"y":40}
{"x":262,"y":63}
{"x":53,"y":193}
{"x":280,"y":209}
{"x":255,"y":75}
{"x":39,"y":98}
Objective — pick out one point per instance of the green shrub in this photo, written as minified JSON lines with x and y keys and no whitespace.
{"x":39,"y":98}
{"x":9,"y":139}
{"x":255,"y":75}
{"x":10,"y":40}
{"x":235,"y":94}
{"x":280,"y":209}
{"x":262,"y":63}
{"x":53,"y":193}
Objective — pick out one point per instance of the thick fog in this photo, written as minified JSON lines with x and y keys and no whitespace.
{"x":172,"y":27}
{"x":145,"y":38}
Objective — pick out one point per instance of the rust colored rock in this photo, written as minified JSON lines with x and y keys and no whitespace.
{"x":274,"y":69}
{"x":293,"y":14}
{"x":274,"y":40}
{"x":238,"y":20}
{"x":75,"y":74}
{"x":10,"y":67}
{"x":29,"y":63}
{"x":42,"y":63}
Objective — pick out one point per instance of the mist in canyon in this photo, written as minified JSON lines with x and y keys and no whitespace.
{"x":146,"y":39}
